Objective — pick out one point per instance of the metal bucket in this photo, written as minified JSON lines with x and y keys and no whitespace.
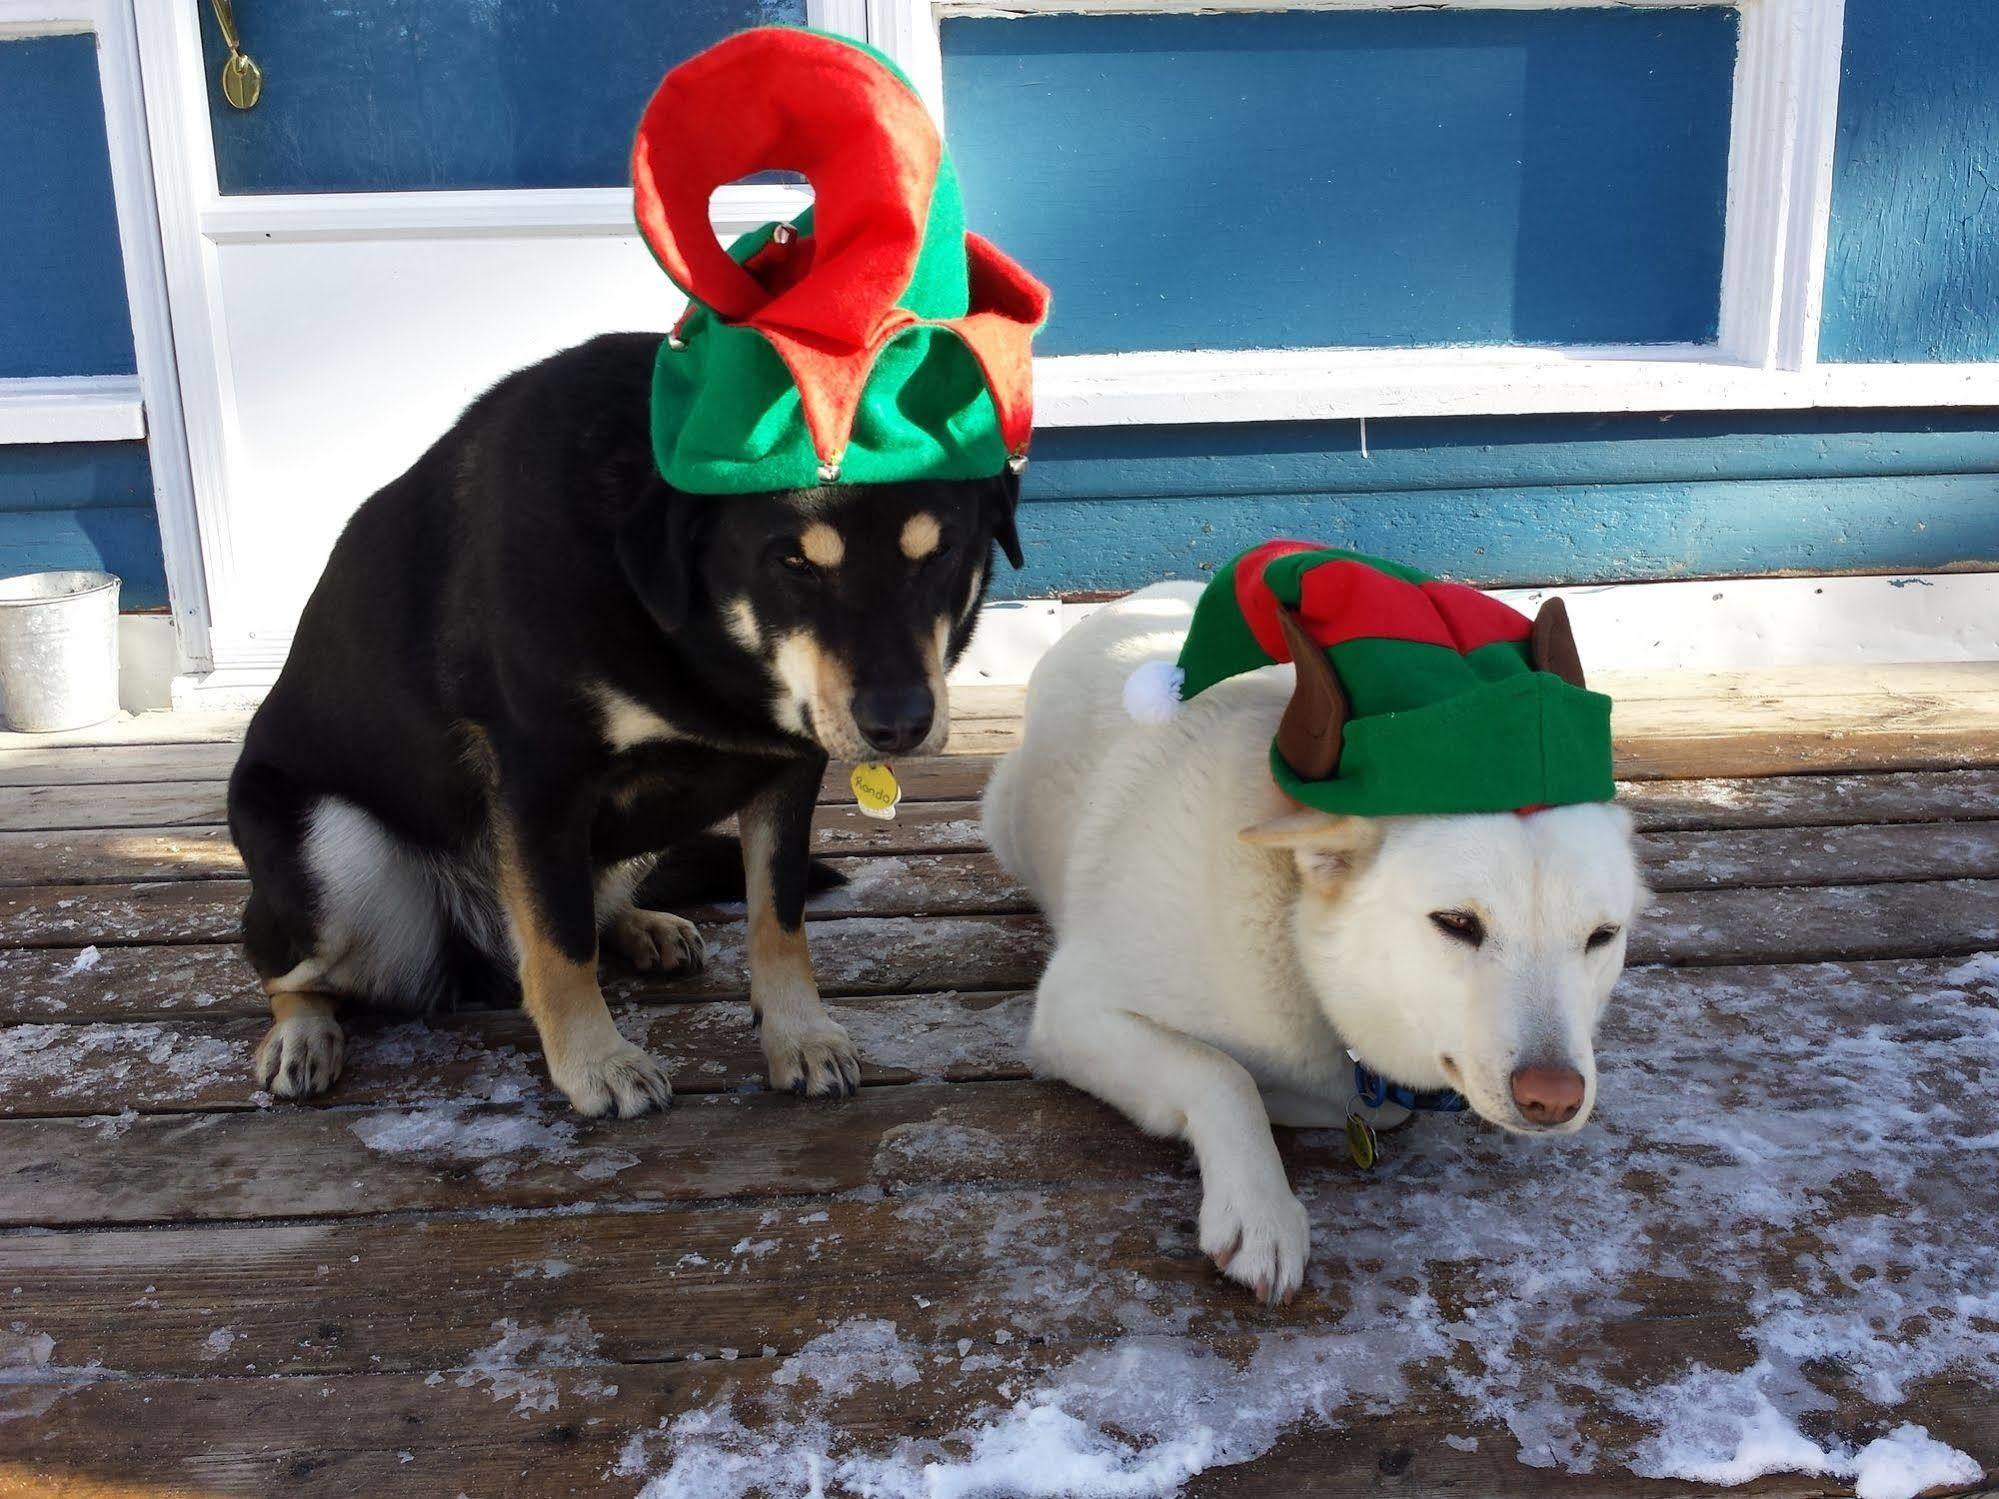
{"x":58,"y":650}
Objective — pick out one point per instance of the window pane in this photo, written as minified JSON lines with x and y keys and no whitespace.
{"x":1371,"y":179}
{"x":62,"y":279}
{"x":1912,"y":262}
{"x":387,"y":95}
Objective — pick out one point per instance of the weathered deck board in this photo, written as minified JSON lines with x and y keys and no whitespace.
{"x":491,"y":1056}
{"x":89,"y":855}
{"x":676,"y":1282}
{"x":204,"y":803}
{"x":854,"y":955}
{"x":316,"y":1163}
{"x":965,"y":881}
{"x":1768,"y":800}
{"x":864,"y":955}
{"x":1678,"y":848}
{"x":378,"y":1434}
{"x":1719,"y":1041}
{"x":1754,"y":920}
{"x":197,"y":1066}
{"x":66,"y":856}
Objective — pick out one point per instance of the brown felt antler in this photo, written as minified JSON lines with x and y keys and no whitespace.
{"x":1309,"y":735}
{"x":1551,"y":647}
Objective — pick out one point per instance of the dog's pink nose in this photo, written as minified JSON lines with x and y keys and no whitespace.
{"x":1548,"y":1095}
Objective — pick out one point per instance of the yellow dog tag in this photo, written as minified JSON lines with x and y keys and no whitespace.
{"x":1360,"y":1142}
{"x":875,"y":790}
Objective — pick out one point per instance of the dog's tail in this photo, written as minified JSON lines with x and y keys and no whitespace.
{"x":707,"y":869}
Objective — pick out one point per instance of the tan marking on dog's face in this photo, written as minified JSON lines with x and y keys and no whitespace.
{"x":818,"y":695}
{"x":822,"y":545}
{"x":740,"y":620}
{"x":920,"y":535}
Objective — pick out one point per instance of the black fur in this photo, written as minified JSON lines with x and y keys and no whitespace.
{"x":445,"y":666}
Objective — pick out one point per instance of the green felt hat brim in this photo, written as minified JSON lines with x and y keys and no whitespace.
{"x":1528,"y":740}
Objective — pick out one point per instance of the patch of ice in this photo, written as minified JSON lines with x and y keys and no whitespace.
{"x":84,"y":961}
{"x":1908,"y":1461}
{"x":934,"y":1034}
{"x":221,"y":1341}
{"x":542,"y":1269}
{"x":516,"y":1365}
{"x":934,"y":1147}
{"x":500,"y":1142}
{"x":86,"y":1061}
{"x":1980,"y":968}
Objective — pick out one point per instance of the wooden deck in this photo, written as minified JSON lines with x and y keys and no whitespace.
{"x":439,"y":1282}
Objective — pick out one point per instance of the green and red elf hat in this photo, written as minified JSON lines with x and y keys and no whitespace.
{"x":871,"y":339}
{"x":1414,"y":695}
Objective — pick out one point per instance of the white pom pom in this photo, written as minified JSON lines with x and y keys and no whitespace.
{"x":1152,"y":693}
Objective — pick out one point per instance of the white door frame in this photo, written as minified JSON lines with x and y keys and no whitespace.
{"x":235,"y":658}
{"x":117,"y":408}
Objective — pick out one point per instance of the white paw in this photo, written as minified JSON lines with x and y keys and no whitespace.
{"x":1258,"y":1235}
{"x":300,"y":1056}
{"x":814,"y":1058}
{"x":623,"y":1081}
{"x":657,"y":939}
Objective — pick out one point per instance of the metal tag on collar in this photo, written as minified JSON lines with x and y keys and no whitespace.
{"x":876,"y":790}
{"x":1361,"y":1145}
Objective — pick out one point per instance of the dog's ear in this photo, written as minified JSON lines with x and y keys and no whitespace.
{"x":1005,"y":500}
{"x":658,"y":544}
{"x":1328,"y":849}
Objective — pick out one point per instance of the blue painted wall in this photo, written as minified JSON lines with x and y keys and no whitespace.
{"x":1521,"y":500}
{"x":1912,"y":265}
{"x":1361,"y":179}
{"x":381,"y":95}
{"x":62,"y":282}
{"x":82,"y":505}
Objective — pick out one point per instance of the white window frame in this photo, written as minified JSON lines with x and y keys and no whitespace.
{"x":119,"y":408}
{"x":1779,"y":205}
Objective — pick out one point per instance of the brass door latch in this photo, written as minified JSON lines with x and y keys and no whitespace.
{"x":242,"y":79}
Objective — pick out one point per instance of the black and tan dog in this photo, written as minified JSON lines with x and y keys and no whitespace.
{"x":529,"y":667}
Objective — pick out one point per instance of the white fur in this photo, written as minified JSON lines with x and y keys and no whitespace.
{"x":384,"y":908}
{"x":1204,"y":984}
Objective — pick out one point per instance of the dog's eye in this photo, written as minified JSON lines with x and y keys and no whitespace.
{"x":1601,"y":936}
{"x":797,"y":564}
{"x":1459,"y":926}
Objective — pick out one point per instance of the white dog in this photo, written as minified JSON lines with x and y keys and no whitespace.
{"x":1219,"y":949}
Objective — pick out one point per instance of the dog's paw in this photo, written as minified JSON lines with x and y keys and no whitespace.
{"x":300,"y":1056}
{"x":1256,"y":1235}
{"x":623,"y":1081}
{"x":657,"y":939}
{"x":813,"y":1058}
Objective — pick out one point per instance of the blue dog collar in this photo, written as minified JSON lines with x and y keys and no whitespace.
{"x":1374,"y":1090}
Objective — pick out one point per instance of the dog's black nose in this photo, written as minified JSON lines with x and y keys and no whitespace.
{"x":894,"y":719}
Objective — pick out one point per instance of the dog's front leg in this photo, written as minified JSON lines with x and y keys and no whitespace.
{"x":1169,"y":1083}
{"x":542,"y":843}
{"x":805,"y":1049}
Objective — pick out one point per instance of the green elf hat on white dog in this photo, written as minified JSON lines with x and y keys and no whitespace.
{"x":1414,"y":695}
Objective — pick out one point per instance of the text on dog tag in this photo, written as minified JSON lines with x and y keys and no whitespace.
{"x":875,"y":790}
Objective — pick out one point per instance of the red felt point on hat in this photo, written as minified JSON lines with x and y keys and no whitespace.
{"x":1255,"y":601}
{"x":1475,"y":618}
{"x":792,"y":101}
